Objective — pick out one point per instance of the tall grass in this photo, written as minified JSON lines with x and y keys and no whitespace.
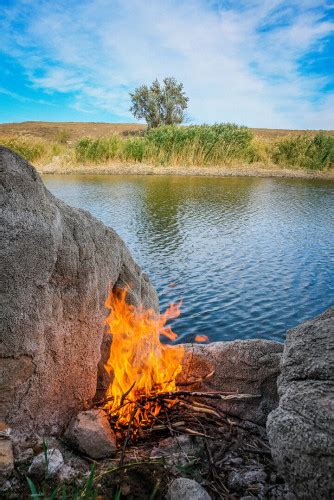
{"x":312,"y":153}
{"x":31,"y":148}
{"x":196,"y":145}
{"x":171,"y":145}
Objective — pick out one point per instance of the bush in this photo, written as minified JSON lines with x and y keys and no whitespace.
{"x":312,"y":153}
{"x":134,"y":149}
{"x":98,"y":150}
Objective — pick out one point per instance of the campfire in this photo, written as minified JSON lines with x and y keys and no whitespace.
{"x":143,"y":367}
{"x":144,"y":396}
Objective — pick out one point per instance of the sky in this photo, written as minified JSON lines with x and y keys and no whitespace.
{"x":263,"y":63}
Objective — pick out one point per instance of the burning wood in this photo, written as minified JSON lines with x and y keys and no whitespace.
{"x":144,"y":389}
{"x":142,"y":366}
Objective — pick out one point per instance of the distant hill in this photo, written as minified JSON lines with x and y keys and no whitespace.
{"x":76,"y":130}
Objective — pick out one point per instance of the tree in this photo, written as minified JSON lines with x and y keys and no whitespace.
{"x":159,"y":104}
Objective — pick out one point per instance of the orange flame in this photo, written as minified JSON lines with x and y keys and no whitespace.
{"x":142,"y":366}
{"x":201,"y":338}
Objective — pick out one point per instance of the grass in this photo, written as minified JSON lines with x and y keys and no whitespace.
{"x":32,"y":149}
{"x":196,"y":145}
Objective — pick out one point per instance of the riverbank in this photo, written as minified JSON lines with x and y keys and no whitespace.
{"x":245,"y":170}
{"x":206,"y":150}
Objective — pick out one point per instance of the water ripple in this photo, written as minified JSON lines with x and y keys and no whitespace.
{"x":249,"y":257}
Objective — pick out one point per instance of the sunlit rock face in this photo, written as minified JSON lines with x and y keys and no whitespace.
{"x":58,"y":265}
{"x":300,"y":430}
{"x":248,"y":367}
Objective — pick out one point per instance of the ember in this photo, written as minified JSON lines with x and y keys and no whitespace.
{"x":142,"y":366}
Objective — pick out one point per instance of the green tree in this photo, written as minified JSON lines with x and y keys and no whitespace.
{"x":159,"y":104}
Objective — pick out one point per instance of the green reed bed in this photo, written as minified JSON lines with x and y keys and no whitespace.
{"x":310,"y":153}
{"x":195,"y":145}
{"x":171,"y":145}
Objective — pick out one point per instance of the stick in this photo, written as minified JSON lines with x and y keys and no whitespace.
{"x":210,"y":395}
{"x":196,"y":380}
{"x":128,"y":433}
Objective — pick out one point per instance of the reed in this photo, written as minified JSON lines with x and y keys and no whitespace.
{"x":311,"y":153}
{"x":196,"y":145}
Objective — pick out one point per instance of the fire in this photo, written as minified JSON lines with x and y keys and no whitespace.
{"x":142,"y":366}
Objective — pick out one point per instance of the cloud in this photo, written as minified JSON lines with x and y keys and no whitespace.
{"x":238,"y":63}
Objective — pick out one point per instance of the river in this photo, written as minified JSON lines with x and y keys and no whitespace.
{"x":249,"y":257}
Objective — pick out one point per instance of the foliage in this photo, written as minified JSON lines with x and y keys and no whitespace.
{"x":159,"y":104}
{"x":32,"y":149}
{"x":198,"y":144}
{"x":29,"y":148}
{"x":101,"y":149}
{"x":313,"y":153}
{"x":195,"y":145}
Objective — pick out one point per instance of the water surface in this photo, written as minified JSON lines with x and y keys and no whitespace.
{"x":249,"y":257}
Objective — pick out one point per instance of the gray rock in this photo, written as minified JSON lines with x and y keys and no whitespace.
{"x":301,"y":429}
{"x":40,"y":469}
{"x":243,"y":479}
{"x":187,"y":489}
{"x":243,"y":366}
{"x":6,"y":459}
{"x":58,"y":266}
{"x":91,"y":433}
{"x":178,"y":451}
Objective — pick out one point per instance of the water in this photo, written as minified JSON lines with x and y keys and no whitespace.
{"x":249,"y":257}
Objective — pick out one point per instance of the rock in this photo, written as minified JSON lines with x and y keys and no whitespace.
{"x":58,"y":265}
{"x":179,"y":450}
{"x":91,"y":433}
{"x":6,"y":459}
{"x":239,"y":480}
{"x":67,"y":473}
{"x":301,"y":429}
{"x":39,"y":469}
{"x":186,"y":489}
{"x":243,"y":366}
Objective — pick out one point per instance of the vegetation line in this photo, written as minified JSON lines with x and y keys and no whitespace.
{"x":225,"y":145}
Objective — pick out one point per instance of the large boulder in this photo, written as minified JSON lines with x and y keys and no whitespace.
{"x":241,"y":366}
{"x":58,"y":266}
{"x":301,"y":429}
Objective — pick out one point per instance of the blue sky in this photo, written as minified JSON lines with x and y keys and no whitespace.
{"x":259,"y":63}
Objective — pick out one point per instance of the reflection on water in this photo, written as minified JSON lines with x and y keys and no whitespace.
{"x":249,"y":257}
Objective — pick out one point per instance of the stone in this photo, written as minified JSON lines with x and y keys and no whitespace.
{"x":242,"y":366}
{"x":91,"y":433}
{"x":40,"y":469}
{"x":179,"y":450}
{"x":187,"y":489}
{"x":58,"y":266}
{"x":6,"y":459}
{"x":238,"y":480}
{"x":67,"y":473}
{"x":301,"y":429}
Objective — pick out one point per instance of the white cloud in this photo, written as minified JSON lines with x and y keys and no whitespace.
{"x":236,"y":65}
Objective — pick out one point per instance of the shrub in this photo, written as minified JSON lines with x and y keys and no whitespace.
{"x":97,"y":150}
{"x":313,"y":153}
{"x":133,"y":149}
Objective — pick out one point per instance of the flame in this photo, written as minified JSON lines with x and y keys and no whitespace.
{"x":142,"y":366}
{"x":201,"y":338}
